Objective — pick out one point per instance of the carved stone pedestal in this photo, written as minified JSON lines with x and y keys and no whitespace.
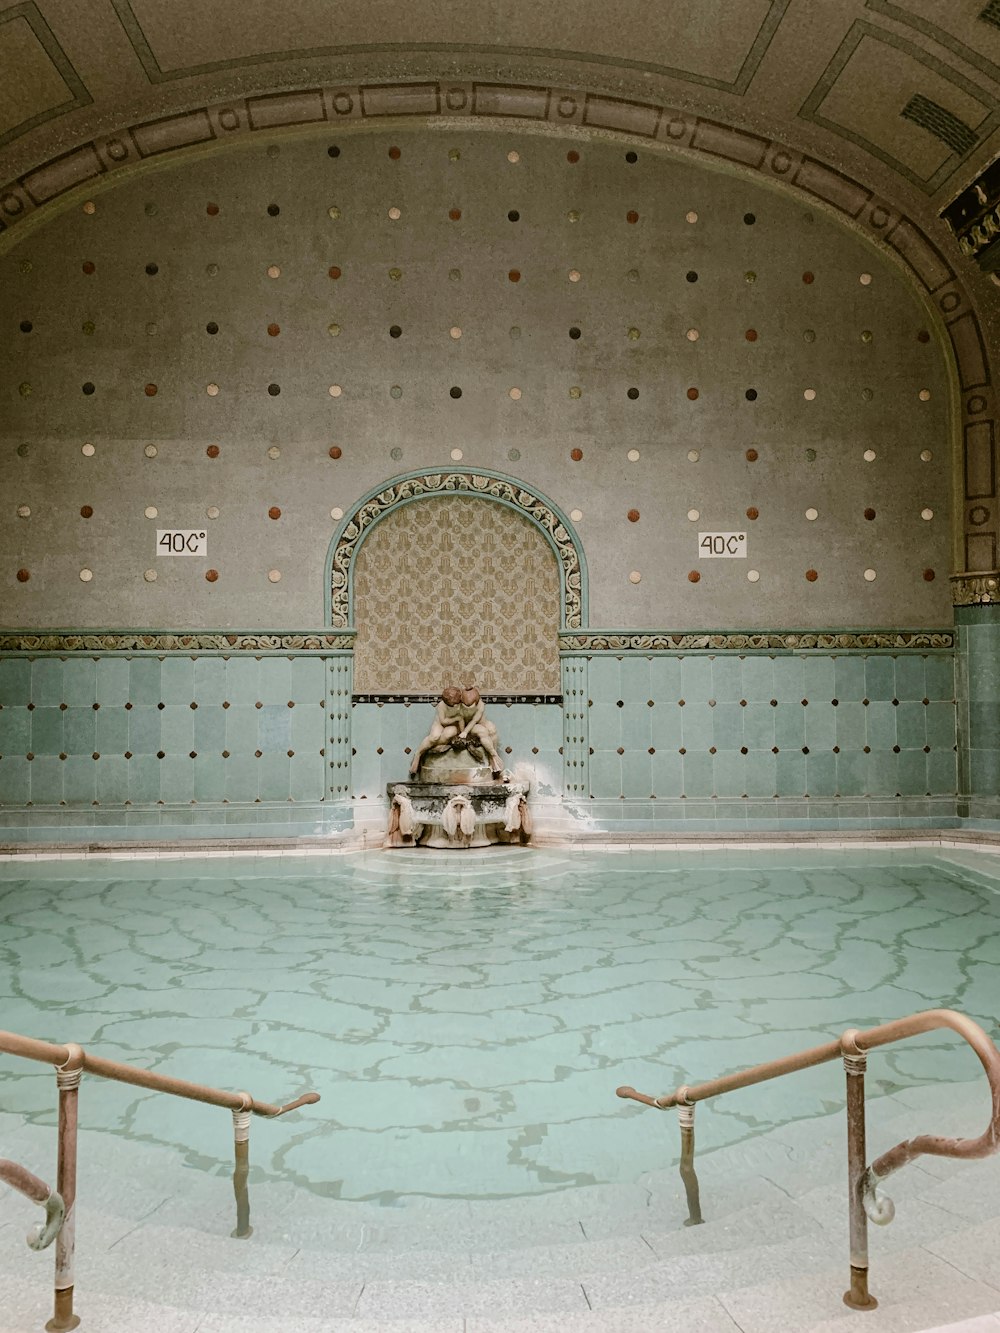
{"x":458,"y":815}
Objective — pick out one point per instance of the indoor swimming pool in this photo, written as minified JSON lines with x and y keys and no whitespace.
{"x":467,"y":1020}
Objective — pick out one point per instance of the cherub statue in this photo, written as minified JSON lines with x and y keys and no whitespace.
{"x":460,"y":721}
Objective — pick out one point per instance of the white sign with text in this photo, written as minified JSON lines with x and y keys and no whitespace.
{"x":181,"y":541}
{"x":722,"y":545}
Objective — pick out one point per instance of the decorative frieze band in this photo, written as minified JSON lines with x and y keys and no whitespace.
{"x":611,"y":641}
{"x":976,"y":589}
{"x":175,"y":641}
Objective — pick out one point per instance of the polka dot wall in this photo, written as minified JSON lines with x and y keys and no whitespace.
{"x":246,"y":344}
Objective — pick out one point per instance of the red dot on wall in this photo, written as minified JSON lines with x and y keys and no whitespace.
{"x":454,"y":214}
{"x":631,"y":216}
{"x":212,"y":451}
{"x":808,"y":277}
{"x":212,"y":210}
{"x":811,"y":575}
{"x":753,"y":513}
{"x":576,"y":455}
{"x":23,"y":575}
{"x":692,"y":393}
{"x":572,"y":155}
{"x":395,"y":153}
{"x":928,"y":576}
{"x":751,"y":335}
{"x":274,"y":512}
{"x":694,"y":576}
{"x":211,"y":575}
{"x":89,"y":266}
{"x":150,"y":391}
{"x":514,"y":275}
{"x":86,"y":511}
{"x":336,"y":451}
{"x":633,"y":516}
{"x":752,"y":455}
{"x":273,"y":330}
{"x":923,"y":336}
{"x":869,"y":514}
{"x":334,"y":271}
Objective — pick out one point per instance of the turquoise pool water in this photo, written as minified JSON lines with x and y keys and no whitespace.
{"x":467,"y":1019}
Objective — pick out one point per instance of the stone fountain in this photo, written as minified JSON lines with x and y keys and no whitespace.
{"x":458,"y":793}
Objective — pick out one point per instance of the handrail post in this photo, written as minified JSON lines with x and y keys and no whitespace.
{"x":855,"y":1063}
{"x":241,"y":1170}
{"x":68,"y":1078}
{"x":685,"y":1118}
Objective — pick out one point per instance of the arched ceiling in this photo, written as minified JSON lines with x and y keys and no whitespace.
{"x":901,"y":94}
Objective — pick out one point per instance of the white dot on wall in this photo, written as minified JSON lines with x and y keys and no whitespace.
{"x":812,"y":514}
{"x":149,"y":575}
{"x":455,"y":332}
{"x":86,"y":575}
{"x":927,"y":514}
{"x":23,"y":511}
{"x":150,"y":450}
{"x":753,"y":575}
{"x":691,"y":217}
{"x":575,"y":391}
{"x":274,"y":452}
{"x":869,"y":455}
{"x":395,"y":214}
{"x":693,"y":335}
{"x":576,"y":515}
{"x":925,"y":455}
{"x":865,"y":279}
{"x":515,"y":393}
{"x":693,"y":455}
{"x":151,"y":511}
{"x":274,"y":576}
{"x":574,"y":275}
{"x":335,"y":390}
{"x":457,"y":455}
{"x":635,"y":577}
{"x":513,"y":155}
{"x":924,"y":395}
{"x":90,"y":208}
{"x":809,"y":394}
{"x":212,"y":511}
{"x":336,"y":513}
{"x":212,"y":390}
{"x":334,"y":212}
{"x":870,"y":575}
{"x":693,"y":515}
{"x":633,"y":455}
{"x":88,"y":451}
{"x":273,"y":271}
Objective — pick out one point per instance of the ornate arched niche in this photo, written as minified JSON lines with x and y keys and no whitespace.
{"x":453,"y":578}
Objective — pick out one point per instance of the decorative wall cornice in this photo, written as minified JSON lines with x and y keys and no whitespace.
{"x":630,"y":641}
{"x":976,"y":589}
{"x":173,"y":641}
{"x":487,"y":485}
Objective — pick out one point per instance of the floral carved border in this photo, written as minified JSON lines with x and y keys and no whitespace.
{"x":111,"y":641}
{"x":976,"y":589}
{"x":823,"y":640}
{"x":489,"y":487}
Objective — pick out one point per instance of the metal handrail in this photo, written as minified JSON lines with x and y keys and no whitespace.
{"x":865,"y":1202}
{"x":18,"y":1177}
{"x":71,"y":1061}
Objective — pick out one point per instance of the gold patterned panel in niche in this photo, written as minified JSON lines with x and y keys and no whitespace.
{"x":454,"y":589}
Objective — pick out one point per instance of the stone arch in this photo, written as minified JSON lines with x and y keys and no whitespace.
{"x":482,"y":484}
{"x":540,"y":109}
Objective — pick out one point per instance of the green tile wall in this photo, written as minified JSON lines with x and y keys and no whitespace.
{"x":764,"y":731}
{"x":978,"y":672}
{"x":145,"y":731}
